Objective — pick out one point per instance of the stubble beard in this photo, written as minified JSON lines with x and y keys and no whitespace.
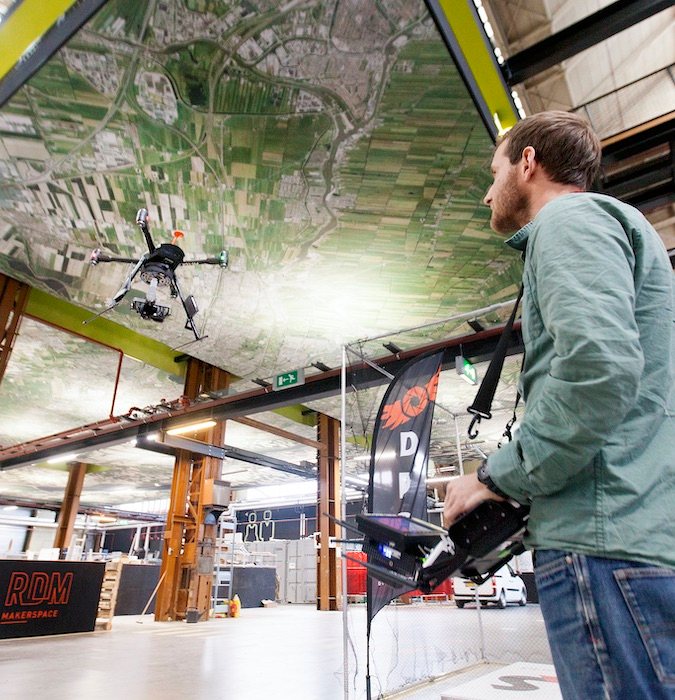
{"x":511,"y":209}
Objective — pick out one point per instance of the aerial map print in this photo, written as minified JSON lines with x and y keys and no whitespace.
{"x":312,"y":140}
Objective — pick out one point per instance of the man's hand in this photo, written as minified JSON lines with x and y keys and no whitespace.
{"x":464,"y":494}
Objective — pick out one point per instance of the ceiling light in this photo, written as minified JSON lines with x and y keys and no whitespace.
{"x":61,"y":458}
{"x":192,"y":428}
{"x":11,"y":508}
{"x":501,"y":130}
{"x":321,"y":366}
{"x":261,"y":382}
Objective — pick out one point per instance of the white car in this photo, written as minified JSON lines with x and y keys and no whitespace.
{"x":503,"y":587}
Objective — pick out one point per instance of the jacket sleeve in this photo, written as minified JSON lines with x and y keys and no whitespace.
{"x":582,"y":264}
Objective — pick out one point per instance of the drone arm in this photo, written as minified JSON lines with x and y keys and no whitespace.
{"x":221,"y":260}
{"x":98,"y":257}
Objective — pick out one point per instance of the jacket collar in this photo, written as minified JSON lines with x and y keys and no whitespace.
{"x":519,"y":239}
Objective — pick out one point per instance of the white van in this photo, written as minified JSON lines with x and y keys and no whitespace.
{"x":503,"y":587}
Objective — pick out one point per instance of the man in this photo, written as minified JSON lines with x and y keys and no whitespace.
{"x":594,"y":455}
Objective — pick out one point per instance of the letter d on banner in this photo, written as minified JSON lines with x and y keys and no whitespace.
{"x":408,"y":443}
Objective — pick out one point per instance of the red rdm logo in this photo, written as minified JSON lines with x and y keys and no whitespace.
{"x":38,"y":588}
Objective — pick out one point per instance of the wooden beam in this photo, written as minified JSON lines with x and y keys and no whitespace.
{"x":259,"y":425}
{"x":329,"y":582}
{"x":70,"y":506}
{"x":13,"y":299}
{"x":189,"y":539}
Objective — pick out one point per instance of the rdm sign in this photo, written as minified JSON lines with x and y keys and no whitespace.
{"x":48,"y":597}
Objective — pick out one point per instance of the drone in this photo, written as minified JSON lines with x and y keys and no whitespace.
{"x":157,"y":268}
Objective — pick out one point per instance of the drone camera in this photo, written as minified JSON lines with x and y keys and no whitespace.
{"x":149,"y":310}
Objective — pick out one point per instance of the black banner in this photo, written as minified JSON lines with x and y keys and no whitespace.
{"x":400,"y":454}
{"x":48,"y":597}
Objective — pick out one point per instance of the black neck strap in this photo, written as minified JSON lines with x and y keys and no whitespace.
{"x":480,"y":408}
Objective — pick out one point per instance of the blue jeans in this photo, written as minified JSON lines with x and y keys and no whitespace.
{"x":610,"y":624}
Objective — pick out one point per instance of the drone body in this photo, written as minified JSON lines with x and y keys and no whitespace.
{"x":157,"y":268}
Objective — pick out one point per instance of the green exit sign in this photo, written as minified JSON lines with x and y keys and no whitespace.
{"x":286,"y":380}
{"x":466,"y":370}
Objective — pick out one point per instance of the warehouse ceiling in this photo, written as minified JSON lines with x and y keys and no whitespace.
{"x":331,"y":148}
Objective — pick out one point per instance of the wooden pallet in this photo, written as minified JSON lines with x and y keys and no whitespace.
{"x":108,"y":599}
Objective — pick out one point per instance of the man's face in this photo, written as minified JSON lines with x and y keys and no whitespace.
{"x":506,"y":197}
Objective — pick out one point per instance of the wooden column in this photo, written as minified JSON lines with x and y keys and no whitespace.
{"x":329,"y":582}
{"x":189,"y":538}
{"x":13,"y":299}
{"x":70,"y":506}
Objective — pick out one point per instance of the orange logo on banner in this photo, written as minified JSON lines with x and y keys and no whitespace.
{"x":416,"y":399}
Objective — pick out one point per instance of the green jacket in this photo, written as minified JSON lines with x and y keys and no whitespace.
{"x":595,"y":451}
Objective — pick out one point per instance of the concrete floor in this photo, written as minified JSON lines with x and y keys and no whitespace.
{"x":281,"y":653}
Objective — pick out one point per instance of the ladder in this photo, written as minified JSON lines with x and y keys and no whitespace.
{"x":221,"y":592}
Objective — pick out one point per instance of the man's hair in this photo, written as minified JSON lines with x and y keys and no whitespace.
{"x":565,"y":145}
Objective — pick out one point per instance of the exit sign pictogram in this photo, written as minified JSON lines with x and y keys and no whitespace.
{"x":285,"y":380}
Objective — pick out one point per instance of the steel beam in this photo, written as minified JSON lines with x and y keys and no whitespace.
{"x":85,"y":510}
{"x":462,"y":31}
{"x":66,"y":316}
{"x":50,"y":24}
{"x":638,"y":166}
{"x":172,"y":444}
{"x":477,"y":347}
{"x":579,"y":36}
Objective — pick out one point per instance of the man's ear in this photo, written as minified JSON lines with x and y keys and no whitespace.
{"x":528,"y":162}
